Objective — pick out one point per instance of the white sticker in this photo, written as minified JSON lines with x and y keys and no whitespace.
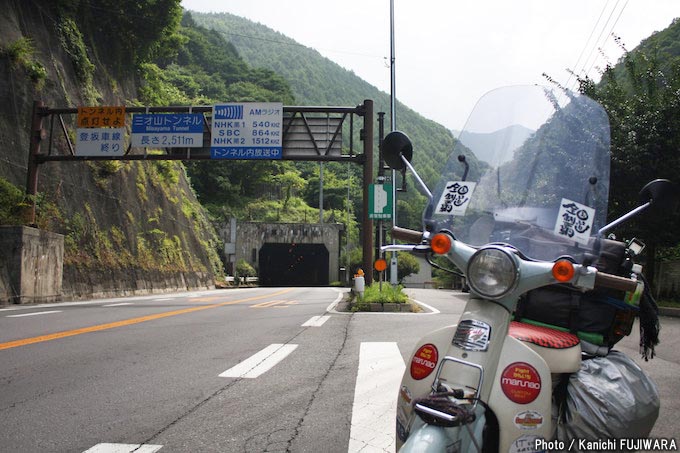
{"x":527,"y":444}
{"x":575,"y":221}
{"x":455,"y":198}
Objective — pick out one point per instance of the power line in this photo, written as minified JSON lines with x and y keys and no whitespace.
{"x":585,"y":46}
{"x":611,"y":30}
{"x":596,"y":44}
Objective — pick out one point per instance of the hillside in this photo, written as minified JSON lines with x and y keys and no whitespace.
{"x":129,"y":227}
{"x":316,"y":80}
{"x":483,"y":145}
{"x":663,"y":45}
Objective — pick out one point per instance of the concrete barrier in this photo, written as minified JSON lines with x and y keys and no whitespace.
{"x":31,"y":265}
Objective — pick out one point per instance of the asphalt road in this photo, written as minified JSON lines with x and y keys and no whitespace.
{"x":199,"y":372}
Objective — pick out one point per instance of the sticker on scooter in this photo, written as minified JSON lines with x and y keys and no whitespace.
{"x":574,"y":221}
{"x":528,"y":420}
{"x":405,"y":394}
{"x":521,"y":383}
{"x":472,"y":335}
{"x":455,"y":197}
{"x":526,"y":444}
{"x":424,"y":361}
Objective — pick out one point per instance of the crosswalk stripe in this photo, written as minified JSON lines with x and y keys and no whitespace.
{"x":375,"y":398}
{"x":123,"y":448}
{"x":34,"y":314}
{"x":316,"y":321}
{"x":261,"y":362}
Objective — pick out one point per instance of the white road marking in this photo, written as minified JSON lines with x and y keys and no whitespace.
{"x":433,"y":311}
{"x":162,"y":299}
{"x":374,"y":410}
{"x":261,"y":362}
{"x":34,"y":313}
{"x":316,"y":321}
{"x":337,"y":300}
{"x":124,"y":448}
{"x":118,"y":305}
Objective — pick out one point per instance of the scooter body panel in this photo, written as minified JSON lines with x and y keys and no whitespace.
{"x":521,"y":398}
{"x":519,"y":392}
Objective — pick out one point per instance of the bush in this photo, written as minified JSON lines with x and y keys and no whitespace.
{"x":389,"y":294}
{"x":244,"y":269}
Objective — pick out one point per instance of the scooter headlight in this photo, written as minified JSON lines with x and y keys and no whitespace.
{"x":492,"y":272}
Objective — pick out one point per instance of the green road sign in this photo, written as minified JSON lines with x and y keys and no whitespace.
{"x":380,"y":202}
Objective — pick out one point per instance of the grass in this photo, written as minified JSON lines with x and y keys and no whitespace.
{"x":373,"y":294}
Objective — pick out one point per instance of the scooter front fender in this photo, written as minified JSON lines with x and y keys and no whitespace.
{"x":429,"y":438}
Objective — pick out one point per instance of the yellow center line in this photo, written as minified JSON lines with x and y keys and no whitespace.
{"x":267,"y":304}
{"x":126,"y":322}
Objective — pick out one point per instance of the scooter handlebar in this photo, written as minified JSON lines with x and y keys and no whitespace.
{"x":404,"y":234}
{"x":615,"y":282}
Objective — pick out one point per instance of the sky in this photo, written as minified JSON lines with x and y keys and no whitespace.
{"x":448,"y":53}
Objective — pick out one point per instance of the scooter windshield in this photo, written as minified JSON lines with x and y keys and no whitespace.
{"x":530,"y":169}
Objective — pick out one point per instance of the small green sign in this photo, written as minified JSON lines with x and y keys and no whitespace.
{"x":380,"y":201}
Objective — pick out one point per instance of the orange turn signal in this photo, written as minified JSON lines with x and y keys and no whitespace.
{"x":563,"y":271}
{"x":440,"y":243}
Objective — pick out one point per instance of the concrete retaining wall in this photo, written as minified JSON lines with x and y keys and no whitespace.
{"x":31,"y":265}
{"x":32,"y":270}
{"x":92,"y":284}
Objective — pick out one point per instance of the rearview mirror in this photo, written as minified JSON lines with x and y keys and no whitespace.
{"x":661,"y":194}
{"x":395,"y":145}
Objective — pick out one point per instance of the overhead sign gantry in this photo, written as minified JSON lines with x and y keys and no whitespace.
{"x":242,"y":131}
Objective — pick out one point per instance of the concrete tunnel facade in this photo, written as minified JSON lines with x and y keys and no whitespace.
{"x":285,"y":254}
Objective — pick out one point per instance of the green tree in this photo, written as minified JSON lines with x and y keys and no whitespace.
{"x":644,"y":109}
{"x":407,"y":264}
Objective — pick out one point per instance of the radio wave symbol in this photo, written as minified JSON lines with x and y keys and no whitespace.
{"x":229,"y":112}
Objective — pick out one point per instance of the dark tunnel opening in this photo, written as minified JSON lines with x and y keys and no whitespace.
{"x":293,"y":265}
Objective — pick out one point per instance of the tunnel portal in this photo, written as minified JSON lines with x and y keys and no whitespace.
{"x":293,"y":265}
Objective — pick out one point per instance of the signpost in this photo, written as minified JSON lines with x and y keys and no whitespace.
{"x":247,"y":131}
{"x":167,"y":130}
{"x":101,"y":131}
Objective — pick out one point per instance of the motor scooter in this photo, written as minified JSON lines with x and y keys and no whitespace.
{"x":520,"y":211}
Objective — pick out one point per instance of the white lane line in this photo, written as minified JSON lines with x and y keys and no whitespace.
{"x":123,"y":448}
{"x":337,"y":300}
{"x":433,"y":311}
{"x":118,"y":305}
{"x":375,"y":398}
{"x":316,"y":321}
{"x":261,"y":362}
{"x":34,"y":314}
{"x":162,"y":299}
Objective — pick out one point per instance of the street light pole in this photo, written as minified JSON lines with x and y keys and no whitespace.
{"x":393,"y":127}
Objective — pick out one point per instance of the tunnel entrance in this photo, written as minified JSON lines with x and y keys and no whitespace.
{"x":293,"y":265}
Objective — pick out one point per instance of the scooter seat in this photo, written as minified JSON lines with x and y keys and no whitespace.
{"x":560,"y":350}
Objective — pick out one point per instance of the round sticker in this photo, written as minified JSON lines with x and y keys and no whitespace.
{"x":424,"y":361}
{"x":521,"y":383}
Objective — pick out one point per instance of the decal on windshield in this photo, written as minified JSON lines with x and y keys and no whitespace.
{"x":455,"y":198}
{"x":575,"y":221}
